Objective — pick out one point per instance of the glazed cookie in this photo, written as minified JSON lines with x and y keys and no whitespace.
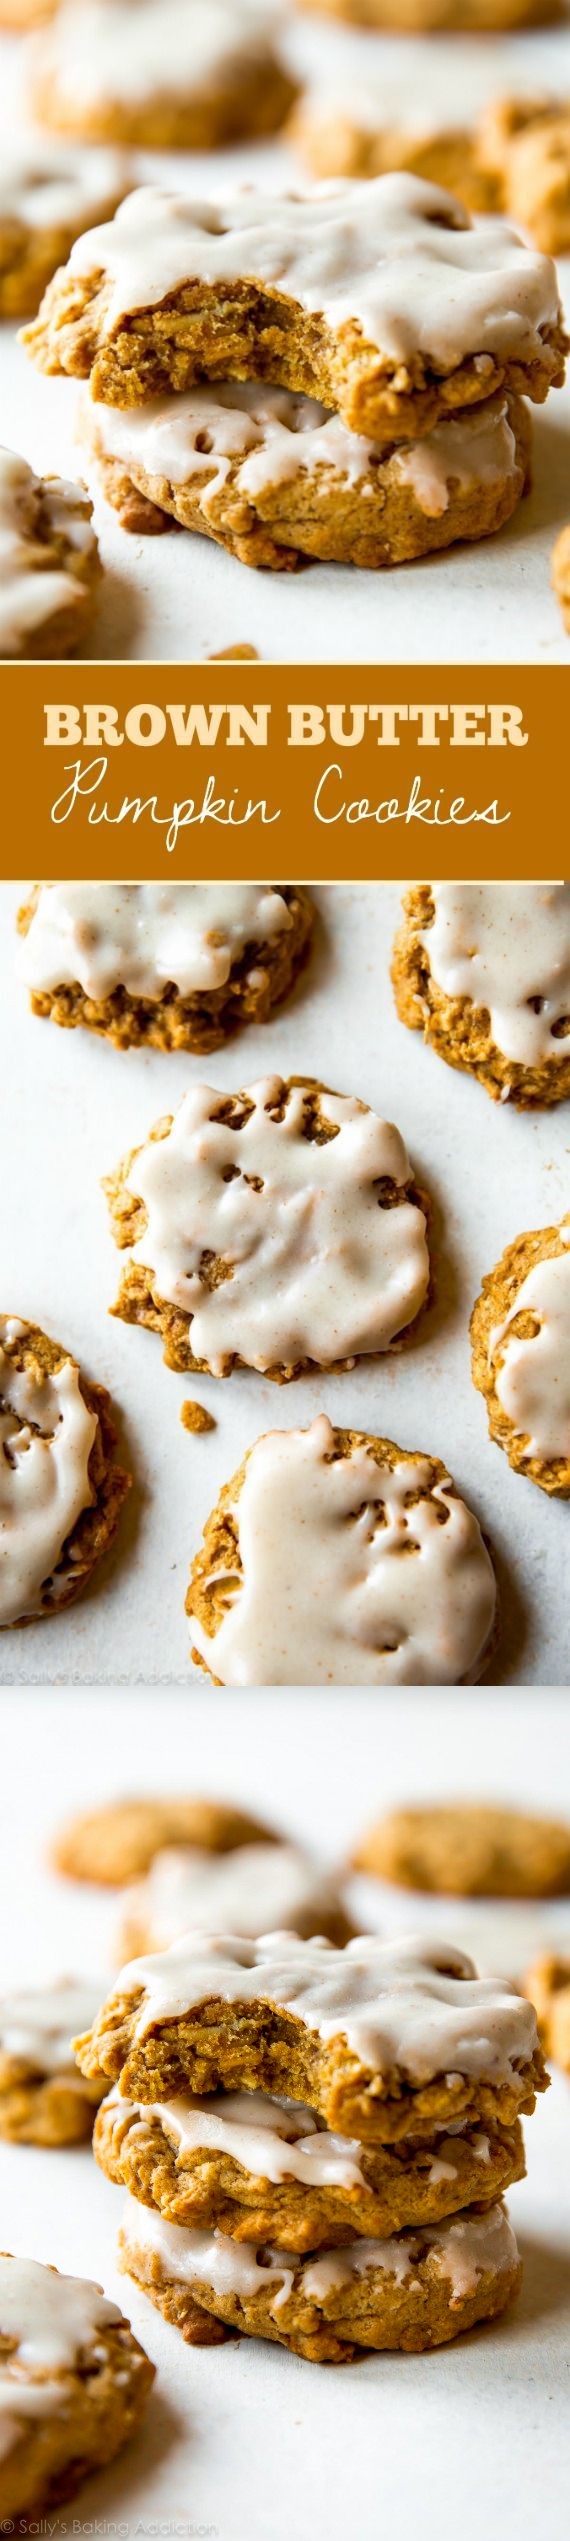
{"x":548,"y":1988}
{"x":60,"y":1491}
{"x":43,"y":2098}
{"x":166,"y":74}
{"x":177,"y":965}
{"x":387,"y":2041}
{"x":301,"y":1578}
{"x":425,"y":17}
{"x":561,"y":574}
{"x":47,"y":197}
{"x":469,"y":1850}
{"x":49,"y":563}
{"x":520,"y":1336}
{"x":258,"y":2169}
{"x":278,"y":1229}
{"x":73,"y":2385}
{"x":382,"y":300}
{"x":115,"y":1844}
{"x":277,"y":479}
{"x":262,"y":1888}
{"x":523,"y":145}
{"x":413,"y":2290}
{"x":483,"y":970}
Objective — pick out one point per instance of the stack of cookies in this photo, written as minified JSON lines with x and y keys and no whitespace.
{"x":315,"y":2141}
{"x":340,"y":375}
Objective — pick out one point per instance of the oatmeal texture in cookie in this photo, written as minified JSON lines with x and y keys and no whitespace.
{"x":260,"y":1888}
{"x":277,"y":1229}
{"x":386,"y":2041}
{"x":413,"y":2290}
{"x":277,"y":479}
{"x":49,"y":563}
{"x":178,"y":966}
{"x":43,"y":2098}
{"x":163,"y":74}
{"x":468,"y":1849}
{"x":261,"y":2169}
{"x":47,"y":197}
{"x":334,"y":1558}
{"x":73,"y":2385}
{"x":60,"y":1491}
{"x":383,"y":301}
{"x":483,"y":970}
{"x":119,"y":1842}
{"x":520,"y":1337}
{"x":548,"y":1987}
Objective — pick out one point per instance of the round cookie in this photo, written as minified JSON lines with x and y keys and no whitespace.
{"x":73,"y":2385}
{"x":520,"y":1336}
{"x":47,"y":197}
{"x":302,"y":1580}
{"x":548,"y":1987}
{"x":261,"y":2169}
{"x":260,"y":1888}
{"x":115,"y":1844}
{"x":413,"y":2291}
{"x":349,"y":136}
{"x":43,"y":2098}
{"x":185,"y":75}
{"x":483,"y":970}
{"x":49,"y":563}
{"x":61,"y":1492}
{"x":277,"y":479}
{"x":468,"y":1850}
{"x":178,"y":966}
{"x":278,"y":1229}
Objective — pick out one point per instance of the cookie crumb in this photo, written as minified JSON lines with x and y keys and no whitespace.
{"x":236,"y":653}
{"x":195,"y":1417}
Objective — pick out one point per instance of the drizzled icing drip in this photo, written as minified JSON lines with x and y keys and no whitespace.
{"x":477,"y":449}
{"x":55,"y":2323}
{"x":46,"y":1437}
{"x":533,"y":1382}
{"x":44,"y":186}
{"x":259,"y":1886}
{"x":506,"y":947}
{"x":31,"y":590}
{"x":318,"y":1267}
{"x":146,"y":936}
{"x":463,"y":2250}
{"x":271,"y":2138}
{"x":37,"y":2028}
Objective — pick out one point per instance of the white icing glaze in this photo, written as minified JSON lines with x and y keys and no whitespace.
{"x":144,"y":936}
{"x":533,"y":1382}
{"x":207,"y":2258}
{"x":31,"y":592}
{"x":463,"y":2249}
{"x":46,"y":1437}
{"x":271,"y":2137}
{"x":38,"y":2028}
{"x":272,"y":433}
{"x":133,"y":52}
{"x":506,"y":947}
{"x":404,"y":2004}
{"x":472,"y":2245}
{"x":45,"y":186}
{"x":56,"y":2323}
{"x":395,"y":255}
{"x":344,"y":1579}
{"x":318,"y":1268}
{"x":257,"y":1888}
{"x":479,"y":448}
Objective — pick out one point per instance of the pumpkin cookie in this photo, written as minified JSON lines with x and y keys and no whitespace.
{"x":548,"y":1987}
{"x":277,"y":479}
{"x":483,"y":970}
{"x":260,"y":1888}
{"x":523,"y":146}
{"x":384,"y":301}
{"x":176,"y":965}
{"x":414,"y":2290}
{"x":49,"y":563}
{"x":520,"y":1335}
{"x":262,"y":2169}
{"x":278,"y":1229}
{"x":469,"y":1850}
{"x":43,"y":2098}
{"x":47,"y":197}
{"x":60,"y":1491}
{"x":348,"y":136}
{"x":166,"y":75}
{"x":115,"y":1844}
{"x":73,"y":2385}
{"x":335,"y":1558}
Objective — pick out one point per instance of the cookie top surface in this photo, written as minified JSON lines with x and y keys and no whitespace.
{"x":464,"y":2249}
{"x":103,"y":51}
{"x":468,"y":1848}
{"x":53,"y":2325}
{"x":259,"y":1887}
{"x":402,"y":2006}
{"x":37,"y":2027}
{"x":38,"y":518}
{"x":274,"y":435}
{"x":395,"y":256}
{"x":46,"y":1436}
{"x":44,"y":186}
{"x":115,"y":1844}
{"x":507,"y":949}
{"x":283,"y":1186}
{"x":146,"y":936}
{"x":533,"y":1379}
{"x":271,"y":2138}
{"x":323,"y":1594}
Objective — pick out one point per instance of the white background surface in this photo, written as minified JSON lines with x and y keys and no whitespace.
{"x":178,"y":597}
{"x":246,"y":2443}
{"x":77,"y":1105}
